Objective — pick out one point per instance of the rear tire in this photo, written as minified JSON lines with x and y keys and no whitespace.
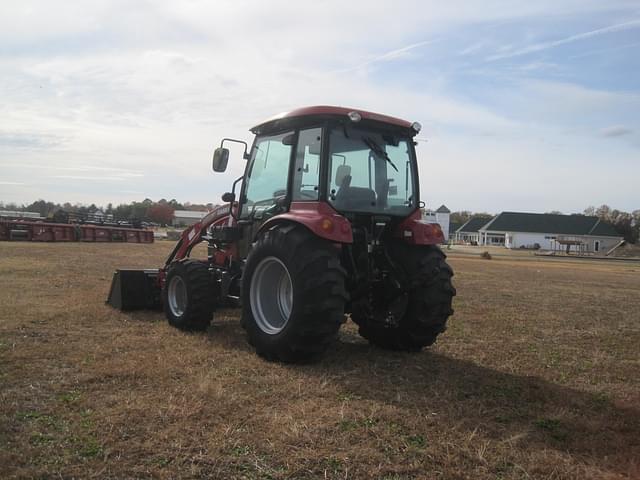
{"x":428,"y":303}
{"x":188,"y":294}
{"x":293,"y":294}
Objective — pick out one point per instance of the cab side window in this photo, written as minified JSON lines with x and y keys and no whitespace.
{"x":307,"y":168}
{"x":268,"y":175}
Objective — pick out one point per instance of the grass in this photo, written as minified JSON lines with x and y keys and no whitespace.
{"x":538,"y":376}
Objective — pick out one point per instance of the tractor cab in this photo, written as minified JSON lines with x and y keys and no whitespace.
{"x":346,"y":158}
{"x":356,"y":164}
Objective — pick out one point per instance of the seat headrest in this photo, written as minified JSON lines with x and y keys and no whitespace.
{"x":342,"y":172}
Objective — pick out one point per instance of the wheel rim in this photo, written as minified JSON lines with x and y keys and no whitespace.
{"x":177,"y":296}
{"x":271,"y":295}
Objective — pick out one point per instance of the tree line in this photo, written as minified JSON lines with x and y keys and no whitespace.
{"x":160,"y":212}
{"x":627,"y":224}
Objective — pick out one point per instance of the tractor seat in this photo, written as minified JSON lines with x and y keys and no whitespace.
{"x":355,"y":198}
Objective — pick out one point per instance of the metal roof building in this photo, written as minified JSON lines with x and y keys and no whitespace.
{"x":184,"y":218}
{"x":570,"y":233}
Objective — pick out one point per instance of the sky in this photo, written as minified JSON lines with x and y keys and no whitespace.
{"x":525,"y":106}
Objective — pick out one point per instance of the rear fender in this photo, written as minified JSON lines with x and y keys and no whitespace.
{"x":318,"y":217}
{"x":415,"y":231}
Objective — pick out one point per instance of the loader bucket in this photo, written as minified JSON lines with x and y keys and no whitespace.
{"x":135,"y":290}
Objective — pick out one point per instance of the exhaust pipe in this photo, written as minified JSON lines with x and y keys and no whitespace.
{"x":135,"y":290}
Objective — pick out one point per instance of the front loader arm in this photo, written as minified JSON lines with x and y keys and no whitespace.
{"x":192,"y":235}
{"x":139,"y":289}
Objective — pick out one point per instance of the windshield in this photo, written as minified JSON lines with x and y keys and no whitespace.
{"x":370,"y":172}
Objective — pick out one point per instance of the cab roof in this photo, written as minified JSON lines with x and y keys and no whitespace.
{"x":323,"y":112}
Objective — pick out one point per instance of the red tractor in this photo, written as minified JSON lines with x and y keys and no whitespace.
{"x":326,"y":222}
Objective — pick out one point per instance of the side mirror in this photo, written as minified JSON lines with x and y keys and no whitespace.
{"x":228,"y":197}
{"x":220,"y":159}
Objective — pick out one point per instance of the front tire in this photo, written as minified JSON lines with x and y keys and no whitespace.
{"x":427,"y":305}
{"x":188,"y":294}
{"x":293,"y":294}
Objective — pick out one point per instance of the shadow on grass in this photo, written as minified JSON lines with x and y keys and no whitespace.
{"x":526,"y":411}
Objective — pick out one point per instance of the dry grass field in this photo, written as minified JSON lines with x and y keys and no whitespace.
{"x":538,"y":376}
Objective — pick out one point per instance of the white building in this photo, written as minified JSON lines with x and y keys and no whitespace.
{"x":567,"y":233}
{"x":184,"y":218}
{"x":469,"y":232}
{"x":15,"y":214}
{"x":577,"y":233}
{"x":441,"y":217}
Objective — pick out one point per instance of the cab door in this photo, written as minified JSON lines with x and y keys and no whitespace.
{"x":267,"y":177}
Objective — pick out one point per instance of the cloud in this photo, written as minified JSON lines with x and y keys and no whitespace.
{"x":89,"y":178}
{"x":615,"y":131}
{"x":573,"y":38}
{"x":388,"y":56}
{"x":566,"y":105}
{"x":27,"y":140}
{"x":606,"y":50}
{"x":473,"y":48}
{"x":142,"y":92}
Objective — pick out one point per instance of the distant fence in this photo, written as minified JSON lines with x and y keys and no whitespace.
{"x":23,"y":230}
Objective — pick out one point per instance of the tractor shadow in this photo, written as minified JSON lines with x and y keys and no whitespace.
{"x":526,"y":411}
